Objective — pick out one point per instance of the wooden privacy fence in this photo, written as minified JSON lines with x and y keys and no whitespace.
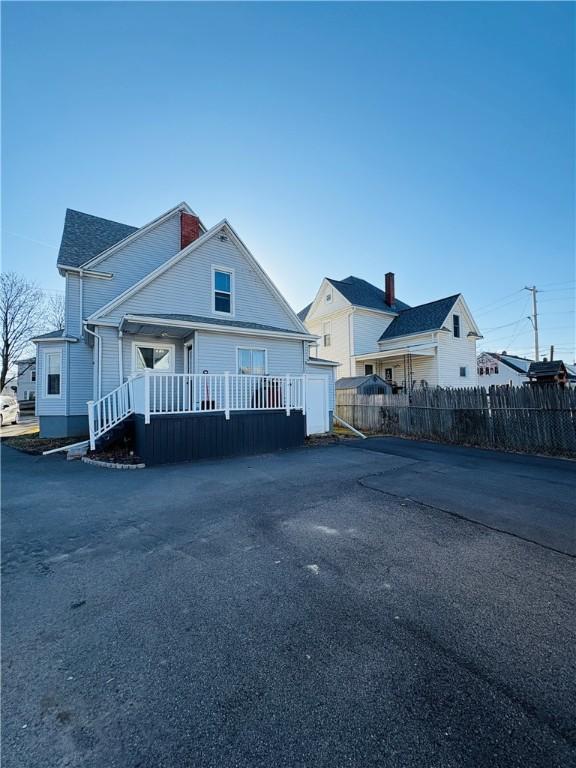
{"x":532,"y":419}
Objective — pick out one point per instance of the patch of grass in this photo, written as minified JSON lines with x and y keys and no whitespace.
{"x":37,"y":445}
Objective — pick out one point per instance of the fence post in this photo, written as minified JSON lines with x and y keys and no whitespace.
{"x":146,"y":396}
{"x":227,"y":395}
{"x":287,"y":395}
{"x":90,"y":404}
{"x":304,"y":395}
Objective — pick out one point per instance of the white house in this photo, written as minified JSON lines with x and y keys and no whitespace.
{"x":174,"y":320}
{"x":497,"y":369}
{"x":26,"y":381}
{"x":368,"y":330}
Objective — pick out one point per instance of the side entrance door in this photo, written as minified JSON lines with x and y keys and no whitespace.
{"x":316,"y":405}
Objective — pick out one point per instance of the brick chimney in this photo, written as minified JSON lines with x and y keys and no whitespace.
{"x":389,"y":296}
{"x":189,"y":229}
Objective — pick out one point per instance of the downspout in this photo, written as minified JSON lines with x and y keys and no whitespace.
{"x":81,"y":302}
{"x":120,"y":366}
{"x":98,"y":359}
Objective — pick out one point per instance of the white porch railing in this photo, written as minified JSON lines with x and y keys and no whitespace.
{"x":171,"y":393}
{"x":110,"y":410}
{"x":164,"y":393}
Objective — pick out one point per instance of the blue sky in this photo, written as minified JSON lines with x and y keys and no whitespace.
{"x":432,"y":140}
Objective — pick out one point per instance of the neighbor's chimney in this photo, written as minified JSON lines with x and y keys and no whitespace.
{"x":389,"y":296}
{"x":189,"y":229}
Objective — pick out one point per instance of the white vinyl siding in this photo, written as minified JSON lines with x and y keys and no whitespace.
{"x":368,"y":327}
{"x":81,"y":380}
{"x":216,"y":353}
{"x":186,"y":288}
{"x":454,"y":353}
{"x":339,"y":349}
{"x":132,"y":263}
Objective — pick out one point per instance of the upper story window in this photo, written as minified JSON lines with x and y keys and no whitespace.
{"x":154,"y":358}
{"x":456,"y":326}
{"x":222,"y":281}
{"x":251,"y":361}
{"x":327,"y":333}
{"x":328,"y":298}
{"x":33,"y":375}
{"x":52,"y":373}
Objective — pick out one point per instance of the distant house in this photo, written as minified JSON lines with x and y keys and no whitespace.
{"x":364,"y":385}
{"x":367,"y":330}
{"x":548,"y":372}
{"x":26,"y":381}
{"x":498,"y":369}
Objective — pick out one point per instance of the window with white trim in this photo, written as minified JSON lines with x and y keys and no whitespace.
{"x":222,"y":282}
{"x":456,"y":326}
{"x":327,"y":333}
{"x":154,"y":358}
{"x":463,"y":370}
{"x":251,"y":361}
{"x":52,"y":373}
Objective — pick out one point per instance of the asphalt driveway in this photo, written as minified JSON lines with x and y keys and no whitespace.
{"x":297,"y":609}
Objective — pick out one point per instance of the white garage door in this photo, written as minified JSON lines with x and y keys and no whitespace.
{"x":316,"y":405}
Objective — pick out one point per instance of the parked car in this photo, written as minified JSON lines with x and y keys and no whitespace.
{"x":9,"y":410}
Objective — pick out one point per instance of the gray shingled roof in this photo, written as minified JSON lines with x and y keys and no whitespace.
{"x":546,"y":368}
{"x":361,"y":293}
{"x":425,"y":317}
{"x":51,"y":335}
{"x":352,"y":382}
{"x":85,"y":236}
{"x":215,"y":321}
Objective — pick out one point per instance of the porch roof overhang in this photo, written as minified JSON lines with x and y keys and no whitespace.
{"x":428,"y":350}
{"x":183,"y":326}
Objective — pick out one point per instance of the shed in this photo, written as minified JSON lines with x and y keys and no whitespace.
{"x":548,"y":372}
{"x":364,"y":385}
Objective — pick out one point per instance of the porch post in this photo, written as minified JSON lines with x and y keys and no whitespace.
{"x":287,"y":395}
{"x":304,"y":395}
{"x":227,"y":395}
{"x":90,"y":405}
{"x":146,"y":396}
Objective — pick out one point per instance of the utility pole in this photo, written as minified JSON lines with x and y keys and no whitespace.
{"x":534,"y":319}
{"x":551,"y":352}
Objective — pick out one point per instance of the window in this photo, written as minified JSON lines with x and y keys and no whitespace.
{"x":326,"y":333}
{"x":52,"y":373}
{"x":252,"y":361}
{"x":495,"y":369}
{"x":222,"y":283}
{"x":481,"y":371}
{"x":463,"y":370}
{"x":160,"y":358}
{"x":33,"y":374}
{"x":388,"y":374}
{"x":368,"y":369}
{"x":328,"y":298}
{"x":456,"y":326}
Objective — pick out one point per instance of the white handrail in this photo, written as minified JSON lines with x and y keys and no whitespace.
{"x":105,"y":413}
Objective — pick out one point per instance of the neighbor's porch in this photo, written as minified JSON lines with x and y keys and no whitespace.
{"x":406,"y":368}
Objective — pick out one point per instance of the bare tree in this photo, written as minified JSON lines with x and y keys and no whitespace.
{"x":54,"y":312}
{"x":21,"y":316}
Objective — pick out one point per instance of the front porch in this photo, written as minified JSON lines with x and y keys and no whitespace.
{"x":406,"y":368}
{"x":179,"y":417}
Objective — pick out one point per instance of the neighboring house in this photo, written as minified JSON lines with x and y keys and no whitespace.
{"x":26,"y":381}
{"x":498,"y":369}
{"x":172,"y":319}
{"x":548,"y":372}
{"x":368,"y":330}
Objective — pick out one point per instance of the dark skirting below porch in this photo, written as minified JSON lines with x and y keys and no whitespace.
{"x":184,"y":437}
